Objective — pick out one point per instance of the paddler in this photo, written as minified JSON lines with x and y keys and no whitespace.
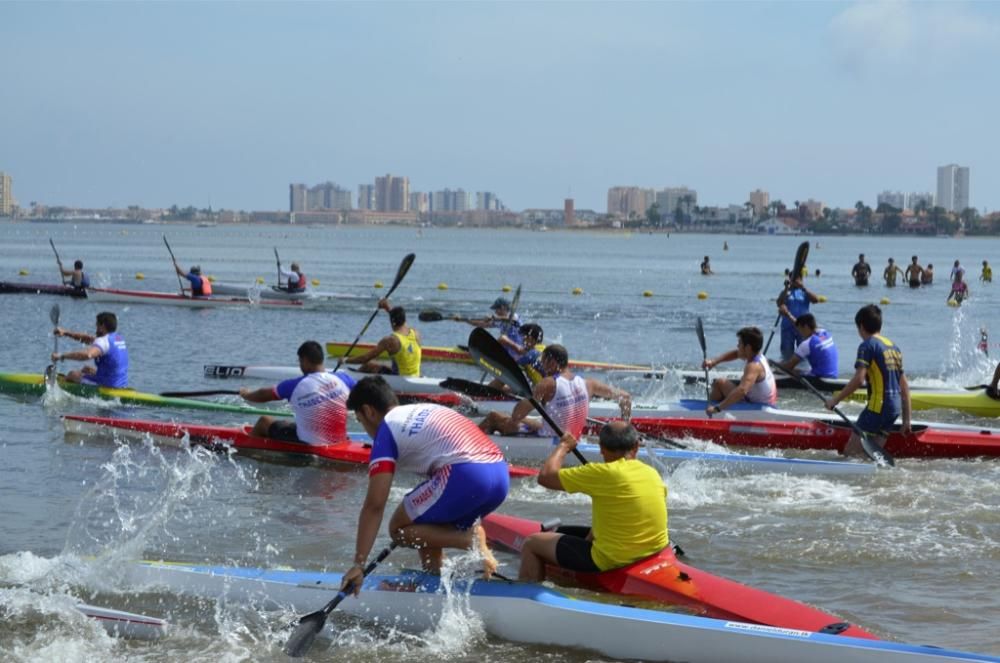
{"x":402,"y":346}
{"x":628,"y":509}
{"x":861,"y":271}
{"x":880,"y":363}
{"x":318,"y":400}
{"x":504,"y":320}
{"x":889,"y":274}
{"x":818,"y":349}
{"x":295,"y":280}
{"x":792,"y":302}
{"x":78,"y":278}
{"x":567,"y":396}
{"x":200,"y":285}
{"x":757,"y":384}
{"x":467,"y":478}
{"x":107,"y":349}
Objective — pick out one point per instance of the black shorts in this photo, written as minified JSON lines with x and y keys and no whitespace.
{"x":573,"y":550}
{"x":283,"y":430}
{"x":914,"y":283}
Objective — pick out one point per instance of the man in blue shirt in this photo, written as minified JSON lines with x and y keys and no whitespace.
{"x":880,"y":362}
{"x":818,"y":349}
{"x":107,"y":349}
{"x":200,"y":285}
{"x":793,"y":301}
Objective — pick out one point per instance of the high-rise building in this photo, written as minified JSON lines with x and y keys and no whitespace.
{"x":419,"y":202}
{"x":895,"y":199}
{"x":366,"y":196}
{"x":629,"y":201}
{"x":953,"y":187}
{"x":6,"y":195}
{"x":487,"y":200}
{"x":569,"y":215}
{"x":450,"y":201}
{"x":297,"y":198}
{"x":392,"y":194}
{"x":917,"y":201}
{"x":759,"y":200}
{"x":669,"y":199}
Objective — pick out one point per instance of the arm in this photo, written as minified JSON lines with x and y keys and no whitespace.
{"x":92,"y":352}
{"x":602,"y":390}
{"x":180,"y":272}
{"x":813,"y":299}
{"x":262,"y":395}
{"x":904,"y":392}
{"x":82,"y":337}
{"x":750,"y":375}
{"x":548,"y":476}
{"x":543,"y":393}
{"x":388,"y":344}
{"x":369,"y":521}
{"x":476,"y":322}
{"x":858,"y":379}
{"x":788,"y":366}
{"x":724,"y":357}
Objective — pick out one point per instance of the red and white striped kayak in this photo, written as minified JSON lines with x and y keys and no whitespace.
{"x":663,"y":578}
{"x":111,"y":295}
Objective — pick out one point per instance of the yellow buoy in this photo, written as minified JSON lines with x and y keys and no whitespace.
{"x":139,"y":276}
{"x":442,"y":286}
{"x":577,"y":291}
{"x":506,"y":288}
{"x":953,"y":303}
{"x":378,"y":284}
{"x":884,"y":301}
{"x":260,"y":280}
{"x":702,"y":295}
{"x":23,"y":272}
{"x":822,"y":299}
{"x":647,"y":293}
{"x":315,"y":281}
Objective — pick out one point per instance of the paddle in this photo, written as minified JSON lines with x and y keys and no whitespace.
{"x":871,"y":448}
{"x":309,"y":626}
{"x":176,"y":266}
{"x":278,"y":261}
{"x":62,"y":277}
{"x":429,"y":315}
{"x":645,"y":437}
{"x":475,"y":389}
{"x":404,"y":267}
{"x":700,"y":330}
{"x":50,"y":370}
{"x":801,"y":254}
{"x":188,"y":394}
{"x":492,"y":357}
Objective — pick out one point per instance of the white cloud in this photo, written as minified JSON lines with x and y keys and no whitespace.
{"x":893,"y":34}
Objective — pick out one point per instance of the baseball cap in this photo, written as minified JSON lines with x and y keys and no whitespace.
{"x":500,"y":303}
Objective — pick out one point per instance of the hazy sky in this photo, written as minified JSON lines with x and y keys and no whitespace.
{"x":194,"y":103}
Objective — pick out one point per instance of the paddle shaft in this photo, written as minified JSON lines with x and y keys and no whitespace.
{"x":277,"y":260}
{"x":176,"y":266}
{"x":50,"y":370}
{"x":554,"y":426}
{"x":801,"y":254}
{"x":62,"y":277}
{"x":700,"y":330}
{"x":645,"y":438}
{"x":404,"y":267}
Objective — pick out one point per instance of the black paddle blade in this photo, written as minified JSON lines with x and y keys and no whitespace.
{"x":801,"y":255}
{"x":404,"y":267}
{"x":874,"y":451}
{"x":517,"y":300}
{"x":700,"y":330}
{"x":474,"y":389}
{"x":430,"y":316}
{"x":492,"y":357}
{"x":54,"y":315}
{"x":305,"y":633}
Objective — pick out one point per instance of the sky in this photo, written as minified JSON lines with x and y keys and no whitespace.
{"x":225,"y":104}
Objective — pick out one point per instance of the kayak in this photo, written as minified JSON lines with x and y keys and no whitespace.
{"x":399,"y":383}
{"x":273,"y":292}
{"x":533,"y":614}
{"x":33,"y":384}
{"x":926,"y":441}
{"x":125,"y":624}
{"x":975,"y":402}
{"x":662,"y":577}
{"x":237,"y":438}
{"x":109,"y":295}
{"x":460,"y":354}
{"x":9,"y":287}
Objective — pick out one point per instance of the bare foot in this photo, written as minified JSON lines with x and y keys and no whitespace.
{"x":489,"y":561}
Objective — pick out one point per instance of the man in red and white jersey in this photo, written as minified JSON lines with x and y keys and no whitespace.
{"x":567,"y":397}
{"x":318,"y":399}
{"x":467,"y":478}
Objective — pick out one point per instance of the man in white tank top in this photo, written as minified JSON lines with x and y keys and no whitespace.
{"x":566,"y":395}
{"x":757,"y":384}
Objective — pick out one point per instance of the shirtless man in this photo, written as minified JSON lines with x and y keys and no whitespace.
{"x":890,"y":273}
{"x":914,"y":273}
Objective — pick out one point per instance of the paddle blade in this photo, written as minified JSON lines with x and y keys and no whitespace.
{"x":874,"y":451}
{"x":430,"y":316}
{"x":801,"y":255}
{"x":517,"y":300}
{"x":54,"y":315}
{"x":305,"y":633}
{"x":474,"y":389}
{"x":404,"y":267}
{"x":491,"y":356}
{"x":700,"y":330}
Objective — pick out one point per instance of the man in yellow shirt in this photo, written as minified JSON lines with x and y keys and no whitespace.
{"x":629,"y":509}
{"x":402,"y":346}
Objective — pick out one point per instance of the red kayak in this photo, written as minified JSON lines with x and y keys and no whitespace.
{"x":236,"y":437}
{"x":923,"y":442}
{"x":663,"y":578}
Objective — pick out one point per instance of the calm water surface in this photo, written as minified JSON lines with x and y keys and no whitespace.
{"x":911,"y":554}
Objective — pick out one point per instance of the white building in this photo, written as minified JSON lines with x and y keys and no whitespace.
{"x":895,"y":199}
{"x":914,"y":200}
{"x":953,"y":187}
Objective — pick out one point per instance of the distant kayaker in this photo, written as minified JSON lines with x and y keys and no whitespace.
{"x":200,"y":285}
{"x":567,"y":395}
{"x":107,"y":349}
{"x":295,"y":280}
{"x":818,"y":349}
{"x":757,"y":384}
{"x":467,"y":478}
{"x":504,"y":320}
{"x":986,"y":276}
{"x":402,"y":346}
{"x":628,"y":509}
{"x":914,"y":273}
{"x":792,"y":302}
{"x":706,"y":268}
{"x":861,"y":271}
{"x":78,"y":279}
{"x":927,"y":278}
{"x":880,"y":363}
{"x":889,"y":274}
{"x":318,"y":400}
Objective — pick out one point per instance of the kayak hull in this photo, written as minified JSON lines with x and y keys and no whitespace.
{"x":114,"y":296}
{"x":8,"y":287}
{"x":533,"y":614}
{"x":122,"y":624}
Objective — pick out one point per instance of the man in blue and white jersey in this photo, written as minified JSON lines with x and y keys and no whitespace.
{"x":108,"y":350}
{"x":818,"y":349}
{"x":318,"y":400}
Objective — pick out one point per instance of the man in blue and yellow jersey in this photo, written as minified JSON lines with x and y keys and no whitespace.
{"x":628,"y":509}
{"x":880,"y":362}
{"x":402,"y":346}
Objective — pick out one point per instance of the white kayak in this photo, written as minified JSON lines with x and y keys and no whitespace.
{"x":533,"y":614}
{"x":124,"y":624}
{"x":274,"y":292}
{"x":115,"y":296}
{"x":400,"y":384}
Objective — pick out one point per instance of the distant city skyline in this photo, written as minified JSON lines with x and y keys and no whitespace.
{"x":539,"y":102}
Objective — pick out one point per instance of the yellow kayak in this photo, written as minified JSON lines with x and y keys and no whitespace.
{"x":974,"y":402}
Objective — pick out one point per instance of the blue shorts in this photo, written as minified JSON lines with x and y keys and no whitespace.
{"x":877,"y":423}
{"x":459,"y":494}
